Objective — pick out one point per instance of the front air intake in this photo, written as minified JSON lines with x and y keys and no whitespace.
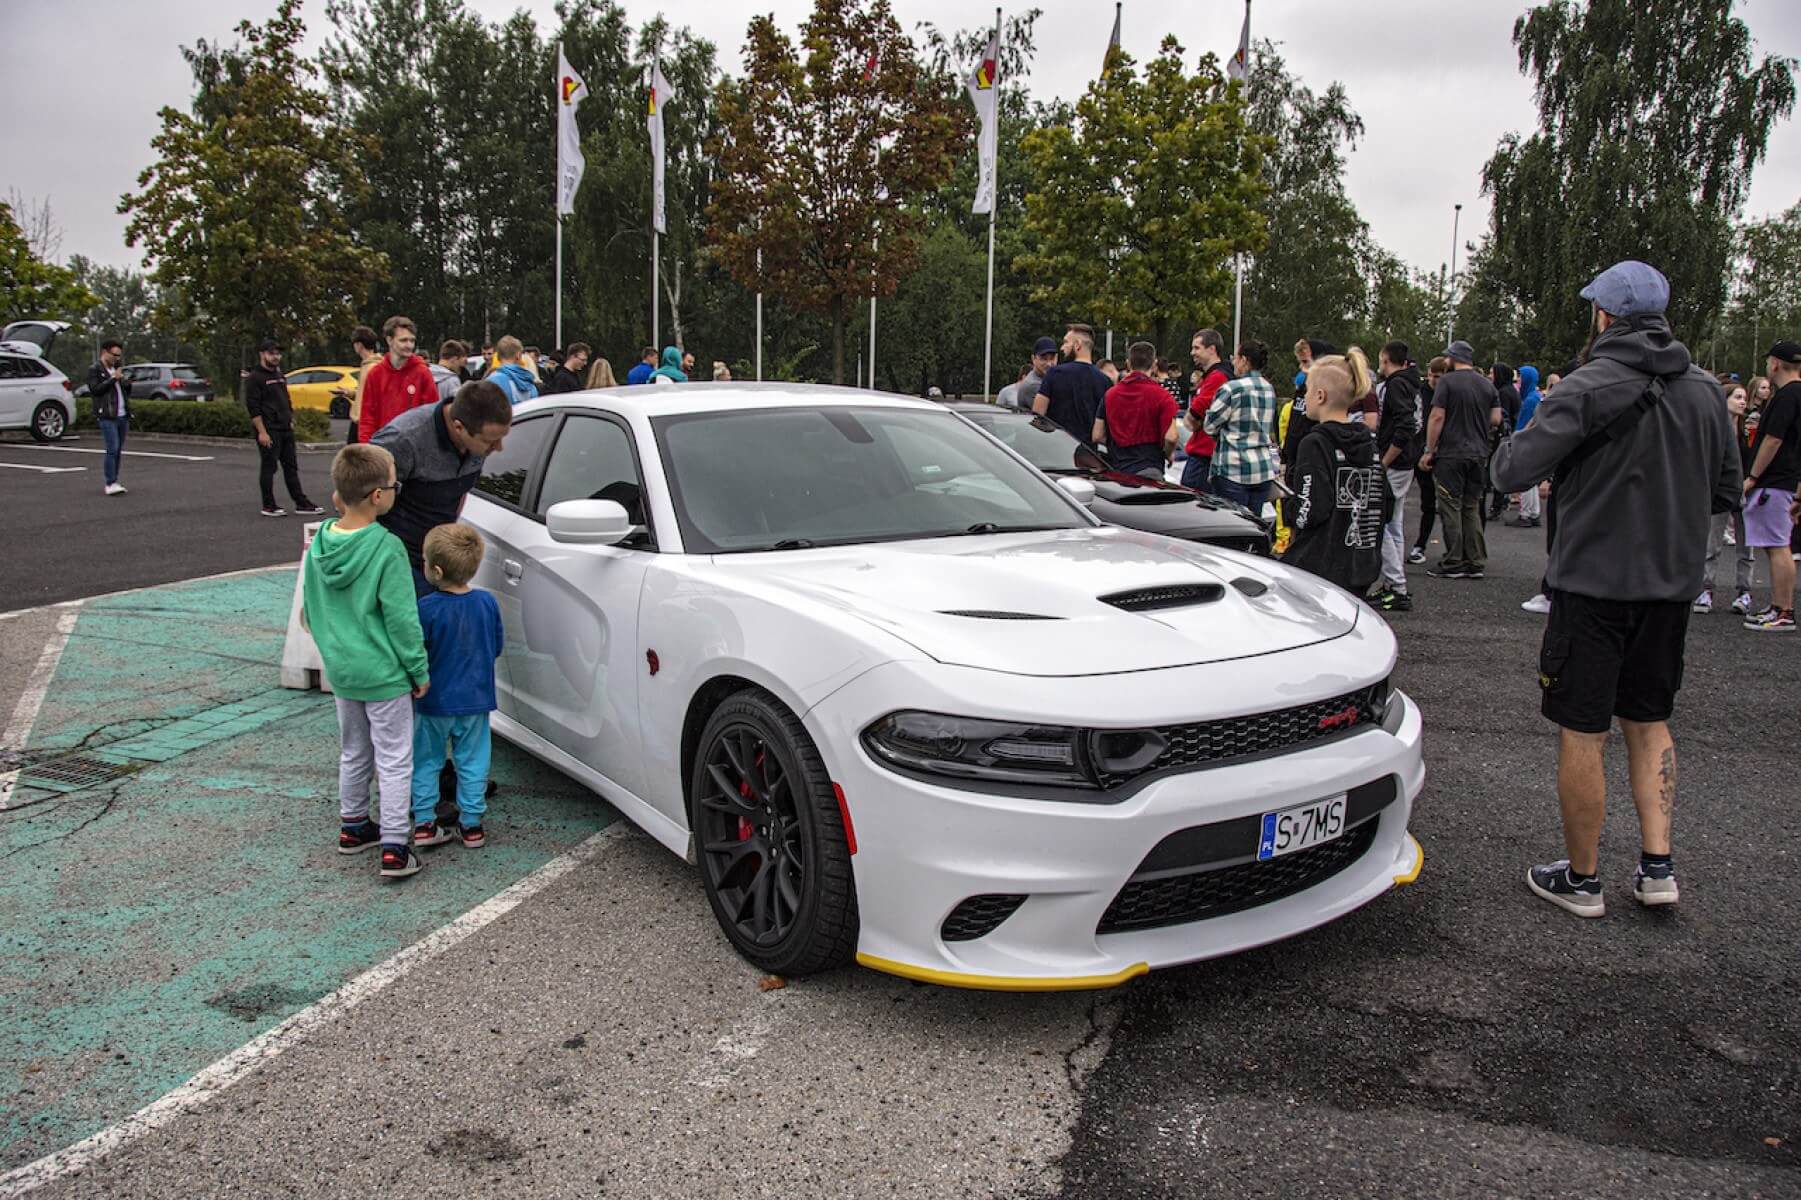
{"x":979,"y":916}
{"x":1181,"y":595}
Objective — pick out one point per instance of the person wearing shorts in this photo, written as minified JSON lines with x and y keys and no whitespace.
{"x":1644,"y":454}
{"x":1771,"y":485}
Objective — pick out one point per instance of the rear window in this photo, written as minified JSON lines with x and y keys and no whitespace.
{"x":187,"y":373}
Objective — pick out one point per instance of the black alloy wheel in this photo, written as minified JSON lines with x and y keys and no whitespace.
{"x":772,"y":848}
{"x":49,"y":422}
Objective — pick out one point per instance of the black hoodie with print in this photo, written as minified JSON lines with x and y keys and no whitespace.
{"x":1338,"y":506}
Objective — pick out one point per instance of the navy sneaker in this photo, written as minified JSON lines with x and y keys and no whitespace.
{"x":432,"y":833}
{"x":397,"y":862}
{"x":354,"y":839}
{"x":1655,"y":886}
{"x":1553,"y":882}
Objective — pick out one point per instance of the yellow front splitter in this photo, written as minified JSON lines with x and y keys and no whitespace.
{"x":1003,"y":983}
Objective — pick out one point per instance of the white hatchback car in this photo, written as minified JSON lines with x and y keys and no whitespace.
{"x":903,"y":699}
{"x":33,"y":394}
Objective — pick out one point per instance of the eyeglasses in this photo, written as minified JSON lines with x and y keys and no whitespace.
{"x":391,"y":487}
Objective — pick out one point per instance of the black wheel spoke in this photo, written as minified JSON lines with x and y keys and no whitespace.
{"x":728,"y":788}
{"x":789,"y":889}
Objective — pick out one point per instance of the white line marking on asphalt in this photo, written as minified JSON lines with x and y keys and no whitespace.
{"x":126,"y":453}
{"x":150,"y":587}
{"x":25,"y":712}
{"x":41,"y":470}
{"x":216,"y":1078}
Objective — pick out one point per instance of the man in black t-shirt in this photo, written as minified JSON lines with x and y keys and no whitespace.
{"x":1464,"y":410}
{"x":1773,"y":483}
{"x":272,"y":415}
{"x":1072,"y":392}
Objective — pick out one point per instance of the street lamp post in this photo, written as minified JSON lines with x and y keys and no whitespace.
{"x":1451,"y":290}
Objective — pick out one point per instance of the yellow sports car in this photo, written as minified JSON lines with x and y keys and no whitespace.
{"x":328,"y":389}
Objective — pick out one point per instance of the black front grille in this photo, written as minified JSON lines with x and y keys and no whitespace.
{"x":1179,"y":899}
{"x":1213,"y":742}
{"x":978,"y":916}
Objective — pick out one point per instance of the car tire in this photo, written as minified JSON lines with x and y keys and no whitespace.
{"x":340,"y":409}
{"x":773,"y":853}
{"x":49,"y":421}
{"x":158,"y":396}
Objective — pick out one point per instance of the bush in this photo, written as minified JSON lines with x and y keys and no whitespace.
{"x":214,"y":419}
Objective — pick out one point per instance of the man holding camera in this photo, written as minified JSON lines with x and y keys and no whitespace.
{"x":1640,"y":452}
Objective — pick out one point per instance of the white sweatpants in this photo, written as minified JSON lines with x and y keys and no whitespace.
{"x":1394,"y":534}
{"x":376,"y":738}
{"x":1529,"y":504}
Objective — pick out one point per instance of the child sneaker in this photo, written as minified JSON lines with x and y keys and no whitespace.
{"x":354,"y":839}
{"x":431,"y":833}
{"x":473,"y":837}
{"x":1655,"y":886}
{"x":1553,"y":882}
{"x":397,"y":862}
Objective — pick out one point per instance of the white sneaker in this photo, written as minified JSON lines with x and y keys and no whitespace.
{"x":1704,"y":602}
{"x":115,"y":489}
{"x":1742,"y":605}
{"x":1540,"y":604}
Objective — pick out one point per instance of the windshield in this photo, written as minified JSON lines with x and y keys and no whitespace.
{"x":1040,"y":441}
{"x":790,"y":478}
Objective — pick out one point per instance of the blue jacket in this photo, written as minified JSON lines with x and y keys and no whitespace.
{"x":640,"y":373}
{"x":1529,"y":396}
{"x":515,"y":381}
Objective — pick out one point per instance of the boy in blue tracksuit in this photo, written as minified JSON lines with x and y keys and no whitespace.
{"x":463,"y":638}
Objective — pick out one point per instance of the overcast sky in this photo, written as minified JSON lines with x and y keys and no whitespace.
{"x":1436,"y":83}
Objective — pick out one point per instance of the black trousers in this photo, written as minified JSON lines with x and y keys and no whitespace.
{"x":1427,"y":491}
{"x":280,"y":451}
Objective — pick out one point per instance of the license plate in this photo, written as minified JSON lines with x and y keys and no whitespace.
{"x":1295,"y":829}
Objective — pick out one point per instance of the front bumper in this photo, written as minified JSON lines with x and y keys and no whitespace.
{"x":926,"y":847}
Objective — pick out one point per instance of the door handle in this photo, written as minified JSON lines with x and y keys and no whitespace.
{"x":514,"y":569}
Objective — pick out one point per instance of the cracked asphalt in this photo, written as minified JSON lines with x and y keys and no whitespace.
{"x":1455,"y":1038}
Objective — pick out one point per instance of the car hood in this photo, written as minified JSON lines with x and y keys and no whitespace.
{"x":1035,"y":603}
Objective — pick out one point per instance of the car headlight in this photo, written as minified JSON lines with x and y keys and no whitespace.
{"x":1010,"y":752}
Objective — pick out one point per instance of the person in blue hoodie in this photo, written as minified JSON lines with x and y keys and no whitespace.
{"x":510,"y":375}
{"x":671,"y":370}
{"x":1529,"y":398}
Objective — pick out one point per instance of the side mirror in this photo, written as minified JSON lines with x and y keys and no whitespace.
{"x":588,"y":523}
{"x":1081,"y":490}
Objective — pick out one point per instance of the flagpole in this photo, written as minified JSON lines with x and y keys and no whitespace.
{"x":559,"y":305}
{"x":993,"y":212}
{"x":654,"y":304}
{"x":759,"y":354}
{"x":1237,"y":302}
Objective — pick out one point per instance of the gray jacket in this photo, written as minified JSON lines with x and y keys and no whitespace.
{"x":1632,"y":520}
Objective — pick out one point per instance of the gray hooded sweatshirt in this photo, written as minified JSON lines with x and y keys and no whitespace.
{"x":1632,"y":520}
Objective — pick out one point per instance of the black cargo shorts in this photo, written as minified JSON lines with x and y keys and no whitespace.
{"x":1603,"y":659}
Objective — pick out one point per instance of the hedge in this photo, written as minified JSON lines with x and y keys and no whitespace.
{"x":206,"y":420}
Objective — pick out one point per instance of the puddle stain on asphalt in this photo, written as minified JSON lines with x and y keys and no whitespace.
{"x":153,"y":924}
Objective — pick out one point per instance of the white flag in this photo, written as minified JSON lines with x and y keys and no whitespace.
{"x":1240,"y":66}
{"x":983,"y":92}
{"x":660,"y":94}
{"x":571,"y":91}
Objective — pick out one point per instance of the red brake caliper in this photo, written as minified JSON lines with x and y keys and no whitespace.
{"x":745,"y":829}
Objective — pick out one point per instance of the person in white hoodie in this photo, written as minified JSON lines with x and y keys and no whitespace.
{"x":448,"y":370}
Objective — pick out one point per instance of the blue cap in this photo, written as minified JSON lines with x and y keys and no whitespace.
{"x":1629,"y":288}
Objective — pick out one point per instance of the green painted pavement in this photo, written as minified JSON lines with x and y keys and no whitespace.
{"x":152,"y":923}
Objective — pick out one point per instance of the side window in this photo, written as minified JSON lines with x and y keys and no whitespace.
{"x":31,"y":368}
{"x":9,"y":367}
{"x":593,"y":460}
{"x":507,"y":475}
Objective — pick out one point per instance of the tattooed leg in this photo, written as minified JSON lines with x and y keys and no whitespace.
{"x":1652,"y":757}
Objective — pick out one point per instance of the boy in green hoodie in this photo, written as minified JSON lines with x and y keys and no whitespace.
{"x":358,"y":601}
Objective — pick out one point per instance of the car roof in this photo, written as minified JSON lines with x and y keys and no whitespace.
{"x":162,"y":364}
{"x":313,"y":367}
{"x":663,"y":400}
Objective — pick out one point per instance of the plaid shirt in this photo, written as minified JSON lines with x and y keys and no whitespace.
{"x":1243,"y":418}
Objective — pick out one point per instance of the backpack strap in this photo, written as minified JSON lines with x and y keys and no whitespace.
{"x":1615,"y":430}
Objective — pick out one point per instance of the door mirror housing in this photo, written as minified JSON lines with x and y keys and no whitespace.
{"x":1081,"y":490}
{"x":588,"y":523}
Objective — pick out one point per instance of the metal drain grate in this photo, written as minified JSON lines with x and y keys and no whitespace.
{"x":74,"y":772}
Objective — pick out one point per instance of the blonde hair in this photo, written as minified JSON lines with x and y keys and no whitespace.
{"x":456,"y":550}
{"x":721,"y":373}
{"x":358,"y":470}
{"x":1345,"y":378}
{"x":600,"y":374}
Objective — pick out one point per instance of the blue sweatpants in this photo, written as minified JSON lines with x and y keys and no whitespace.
{"x":470,"y":748}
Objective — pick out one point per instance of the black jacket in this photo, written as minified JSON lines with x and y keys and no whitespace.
{"x":1633,"y":518}
{"x":561,"y":380}
{"x":266,"y":396}
{"x":1399,"y":424}
{"x":107,"y":392}
{"x":1339,"y":490}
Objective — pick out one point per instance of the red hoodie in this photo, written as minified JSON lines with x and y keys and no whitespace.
{"x":1201,"y":444}
{"x":387,"y":393}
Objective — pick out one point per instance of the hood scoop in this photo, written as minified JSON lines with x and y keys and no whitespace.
{"x":1182,"y":595}
{"x":990,"y":614}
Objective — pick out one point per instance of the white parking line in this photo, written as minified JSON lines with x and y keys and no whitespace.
{"x":41,"y":470}
{"x":25,"y":712}
{"x":126,"y":453}
{"x":284,"y":1037}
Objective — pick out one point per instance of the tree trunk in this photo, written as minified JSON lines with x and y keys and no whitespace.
{"x":1162,"y":324}
{"x":838,"y":340}
{"x":673,"y":289}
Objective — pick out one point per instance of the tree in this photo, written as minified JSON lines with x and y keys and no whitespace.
{"x":797,"y":177}
{"x":1652,"y":117}
{"x":1766,"y":290}
{"x":242,"y":214}
{"x":43,"y":232}
{"x":1138,"y":206}
{"x":31,"y":287}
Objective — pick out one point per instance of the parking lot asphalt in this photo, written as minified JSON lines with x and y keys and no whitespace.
{"x":1455,"y":1038}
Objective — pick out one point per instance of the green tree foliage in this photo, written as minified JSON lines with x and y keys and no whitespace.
{"x":797,"y":176}
{"x":1138,"y":206}
{"x":1766,"y":291}
{"x":1652,"y":117}
{"x":31,"y":287}
{"x":242,"y":214}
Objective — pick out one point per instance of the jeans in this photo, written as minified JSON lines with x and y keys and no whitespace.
{"x":1745,"y":572}
{"x":1252,"y":495}
{"x":1196,"y":472}
{"x":1394,"y":533}
{"x":112,"y":436}
{"x":1459,"y":483}
{"x":280,"y":452}
{"x":376,"y":738}
{"x":471,"y":745}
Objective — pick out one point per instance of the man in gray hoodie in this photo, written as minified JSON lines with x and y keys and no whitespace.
{"x":1640,"y":453}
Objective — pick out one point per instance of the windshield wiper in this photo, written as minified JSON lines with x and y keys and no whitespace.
{"x":794,"y":544}
{"x":983,"y":527}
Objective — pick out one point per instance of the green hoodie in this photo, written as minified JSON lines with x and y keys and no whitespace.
{"x":364,"y":615}
{"x":672,"y":365}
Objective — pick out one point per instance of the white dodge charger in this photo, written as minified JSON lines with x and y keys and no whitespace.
{"x":903,"y":700}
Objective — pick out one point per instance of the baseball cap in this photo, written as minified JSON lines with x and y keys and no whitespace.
{"x":268,"y":344}
{"x":1044,"y":345}
{"x":1629,"y":288}
{"x":1459,"y":351}
{"x":1788,"y":352}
